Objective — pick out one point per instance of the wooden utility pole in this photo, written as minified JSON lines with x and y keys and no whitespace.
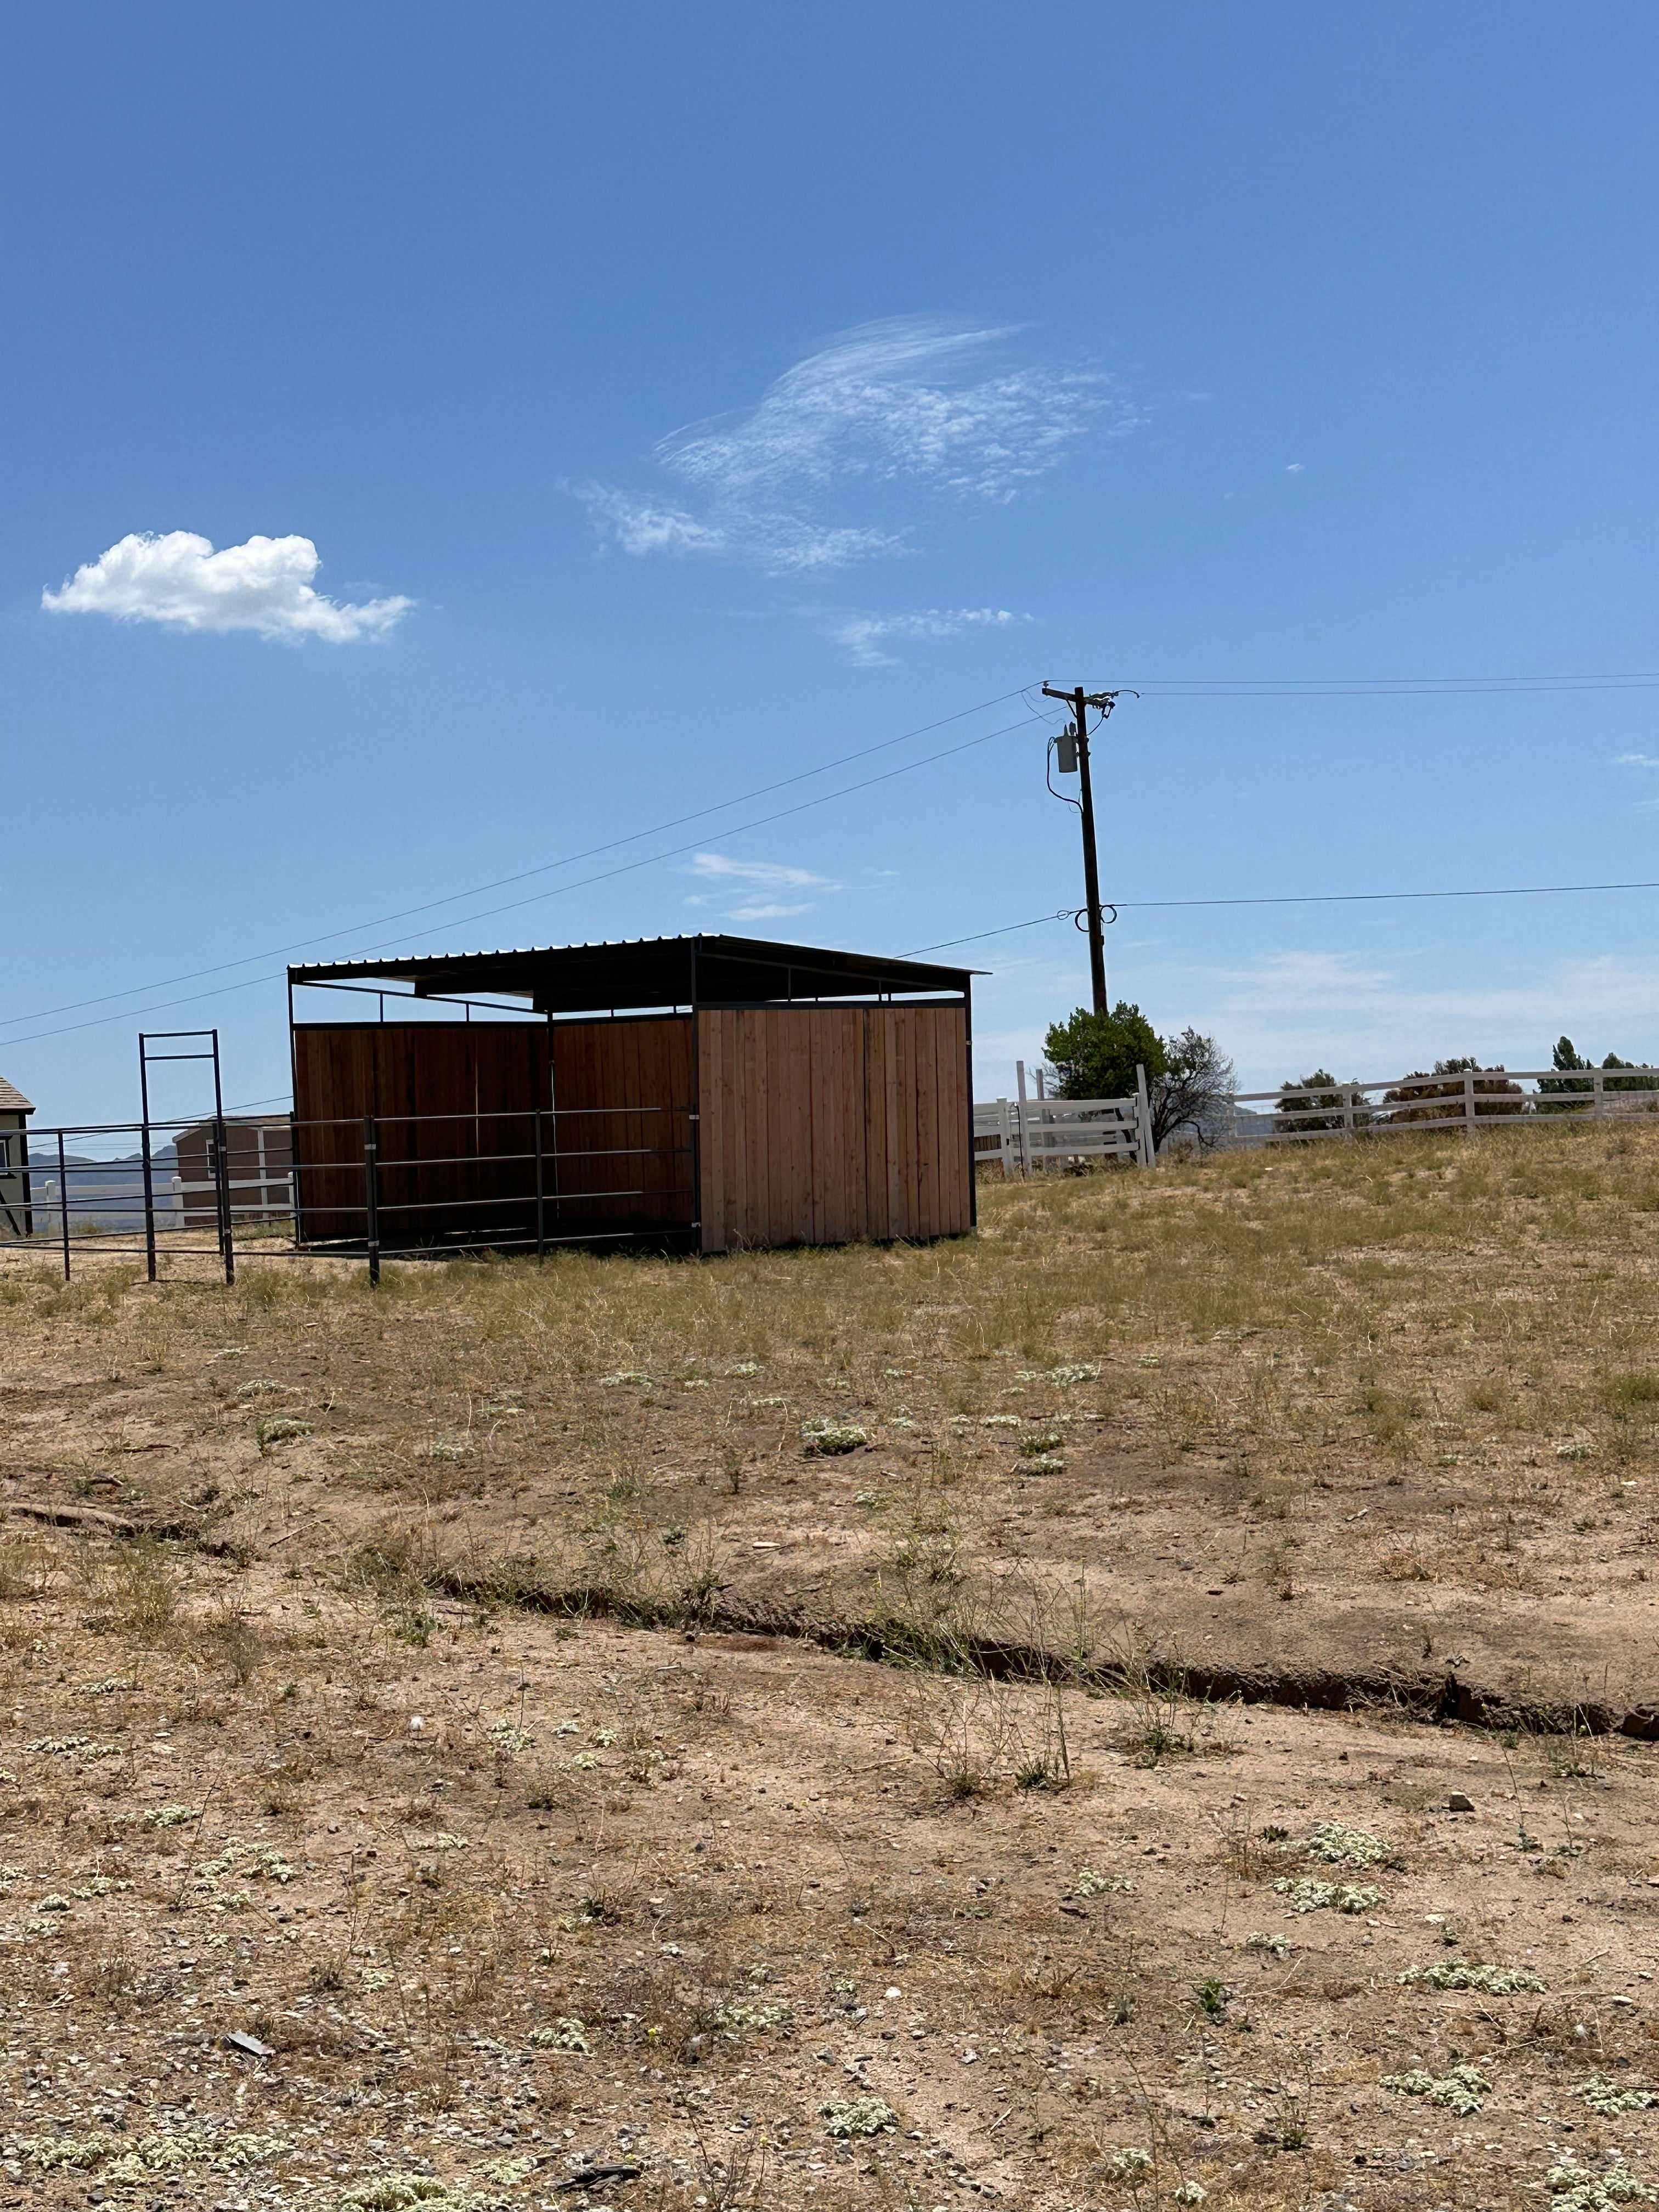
{"x":1079,"y":702}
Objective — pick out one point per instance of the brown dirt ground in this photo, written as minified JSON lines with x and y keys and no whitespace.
{"x":1342,"y":1426}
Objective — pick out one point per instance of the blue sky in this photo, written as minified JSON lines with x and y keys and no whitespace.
{"x":666,"y":402}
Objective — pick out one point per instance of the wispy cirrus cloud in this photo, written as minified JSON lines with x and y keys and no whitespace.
{"x":865,"y":635}
{"x":759,"y":889}
{"x":914,"y":402}
{"x":178,"y":579}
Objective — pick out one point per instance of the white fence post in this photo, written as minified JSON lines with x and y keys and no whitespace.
{"x":1025,"y":1139}
{"x":1599,"y":1103}
{"x":1005,"y":1136}
{"x":1468,"y":1101}
{"x":1143,"y":1117}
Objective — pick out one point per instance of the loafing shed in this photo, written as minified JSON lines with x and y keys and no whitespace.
{"x":714,"y":1092}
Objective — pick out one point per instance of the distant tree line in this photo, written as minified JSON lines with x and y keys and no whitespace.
{"x":1318,"y":1102}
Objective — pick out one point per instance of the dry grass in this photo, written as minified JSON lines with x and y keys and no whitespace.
{"x":1369,"y":1415}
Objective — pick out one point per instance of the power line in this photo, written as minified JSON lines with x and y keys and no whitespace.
{"x":1379,"y":687}
{"x":1293,"y":898}
{"x":604,"y":875}
{"x":1165,"y":687}
{"x":500,"y":883}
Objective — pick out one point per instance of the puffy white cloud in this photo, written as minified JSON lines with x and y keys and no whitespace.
{"x":177,"y":578}
{"x":912,"y":401}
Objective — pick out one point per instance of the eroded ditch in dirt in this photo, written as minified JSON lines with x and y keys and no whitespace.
{"x":1420,"y":1696}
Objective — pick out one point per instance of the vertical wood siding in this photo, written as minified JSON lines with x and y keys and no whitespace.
{"x":624,"y":1093}
{"x":823,"y":1124}
{"x":454,"y":1102}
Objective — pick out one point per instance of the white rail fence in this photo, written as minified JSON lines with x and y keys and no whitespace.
{"x":1469,"y":1100}
{"x":1022,"y":1134}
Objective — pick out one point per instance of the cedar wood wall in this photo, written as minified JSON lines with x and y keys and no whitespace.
{"x":484,"y":1081}
{"x":823,"y":1124}
{"x":819,"y":1125}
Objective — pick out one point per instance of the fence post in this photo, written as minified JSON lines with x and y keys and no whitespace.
{"x":1349,"y":1104}
{"x":1024,"y":1136}
{"x":372,"y":1196}
{"x":1005,"y":1136}
{"x":1598,"y":1101}
{"x":1143,"y":1117}
{"x":293,"y":1171}
{"x":541,"y":1205}
{"x":1468,"y":1101}
{"x":150,"y":1203}
{"x":221,"y":1195}
{"x":62,"y":1202}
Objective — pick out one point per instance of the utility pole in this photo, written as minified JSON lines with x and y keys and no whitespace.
{"x":1073,"y":750}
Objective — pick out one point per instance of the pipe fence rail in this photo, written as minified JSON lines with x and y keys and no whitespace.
{"x":368,"y":1187}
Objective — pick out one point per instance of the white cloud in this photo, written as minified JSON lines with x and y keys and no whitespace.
{"x":1295,"y":468}
{"x":759,"y":887}
{"x":1635,"y":760}
{"x":915,"y":401}
{"x":769,"y":874}
{"x":177,"y":579}
{"x":864,"y":635}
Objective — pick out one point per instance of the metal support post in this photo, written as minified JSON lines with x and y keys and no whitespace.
{"x":62,"y":1202}
{"x":541,"y":1200}
{"x":221,"y":1196}
{"x":149,"y":1175}
{"x":371,"y":1196}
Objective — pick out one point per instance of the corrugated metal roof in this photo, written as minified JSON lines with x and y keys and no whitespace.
{"x":12,"y":1100}
{"x":651,"y":971}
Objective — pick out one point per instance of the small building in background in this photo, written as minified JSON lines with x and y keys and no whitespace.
{"x":16,"y":1206}
{"x":260,"y":1157}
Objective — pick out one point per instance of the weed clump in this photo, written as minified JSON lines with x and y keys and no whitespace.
{"x":1460,"y":1974}
{"x":562,"y":2035}
{"x":1309,"y":1895}
{"x":1610,"y":2100}
{"x":1460,"y":2091}
{"x":1575,"y":2188}
{"x":857,"y":2115}
{"x":825,"y":1438}
{"x":1335,"y":1843}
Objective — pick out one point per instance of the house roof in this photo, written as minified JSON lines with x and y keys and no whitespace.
{"x":12,"y":1100}
{"x":650,"y":971}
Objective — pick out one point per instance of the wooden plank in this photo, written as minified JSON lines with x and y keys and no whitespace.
{"x":892,"y":1136}
{"x":956,"y":1167}
{"x":711,"y":1130}
{"x":833,"y":1034}
{"x":775,"y":1140}
{"x":850,"y":1090}
{"x":924,"y":1031}
{"x":749,"y":1119}
{"x":795,"y":1124}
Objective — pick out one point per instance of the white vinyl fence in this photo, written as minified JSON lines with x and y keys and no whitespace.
{"x":1022,"y":1134}
{"x":1475,"y":1099}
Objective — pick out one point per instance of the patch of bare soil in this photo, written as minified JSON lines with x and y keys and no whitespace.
{"x":827,"y":1727}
